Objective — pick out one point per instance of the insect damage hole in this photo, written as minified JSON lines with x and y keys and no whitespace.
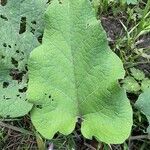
{"x":14,"y":62}
{"x":5,"y":84}
{"x":2,"y":56}
{"x":39,"y":106}
{"x":23,"y":90}
{"x":33,"y":27}
{"x":48,"y":1}
{"x":22,"y":25}
{"x":60,"y":1}
{"x":17,"y":51}
{"x":4,"y":44}
{"x":3,"y":2}
{"x":16,"y":74}
{"x":3,"y":17}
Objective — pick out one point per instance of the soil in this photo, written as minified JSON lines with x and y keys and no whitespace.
{"x":114,"y":31}
{"x":112,"y":27}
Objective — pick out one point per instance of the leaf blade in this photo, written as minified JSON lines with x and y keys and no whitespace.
{"x":77,"y":71}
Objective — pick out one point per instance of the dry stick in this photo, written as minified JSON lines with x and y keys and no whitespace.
{"x":139,"y":137}
{"x":89,"y":146}
{"x":16,"y":128}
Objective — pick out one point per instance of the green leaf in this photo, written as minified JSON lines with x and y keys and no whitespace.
{"x":130,"y":1}
{"x":137,"y":74}
{"x":145,"y":84}
{"x":12,"y":102}
{"x":143,"y":103}
{"x":21,"y":23}
{"x":74,"y":74}
{"x":131,"y":85}
{"x":96,"y":4}
{"x":19,"y":29}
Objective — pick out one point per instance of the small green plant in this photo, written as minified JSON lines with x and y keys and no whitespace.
{"x":136,"y":81}
{"x":103,"y":5}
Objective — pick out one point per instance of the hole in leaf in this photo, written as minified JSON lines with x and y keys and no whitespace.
{"x":48,"y":1}
{"x":5,"y":84}
{"x":26,"y":67}
{"x":3,"y":17}
{"x":49,"y":96}
{"x":17,"y":51}
{"x":60,"y":2}
{"x":14,"y":62}
{"x":45,"y":94}
{"x":22,"y":53}
{"x":39,"y":106}
{"x":4,"y":44}
{"x":3,"y":2}
{"x":32,"y":30}
{"x":52,"y":99}
{"x":33,"y":22}
{"x":16,"y":75}
{"x":23,"y":90}
{"x":6,"y":98}
{"x":18,"y":95}
{"x":2,"y":56}
{"x":9,"y":46}
{"x":22,"y":25}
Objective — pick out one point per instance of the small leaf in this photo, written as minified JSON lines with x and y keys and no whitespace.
{"x":145,"y":84}
{"x":143,"y":103}
{"x":137,"y":74}
{"x":131,"y":85}
{"x":130,"y":1}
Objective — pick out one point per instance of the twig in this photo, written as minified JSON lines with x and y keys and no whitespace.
{"x":139,"y":137}
{"x":89,"y":146}
{"x":15,"y":128}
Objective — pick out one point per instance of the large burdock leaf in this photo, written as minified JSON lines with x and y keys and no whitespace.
{"x":20,"y":25}
{"x":74,"y":74}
